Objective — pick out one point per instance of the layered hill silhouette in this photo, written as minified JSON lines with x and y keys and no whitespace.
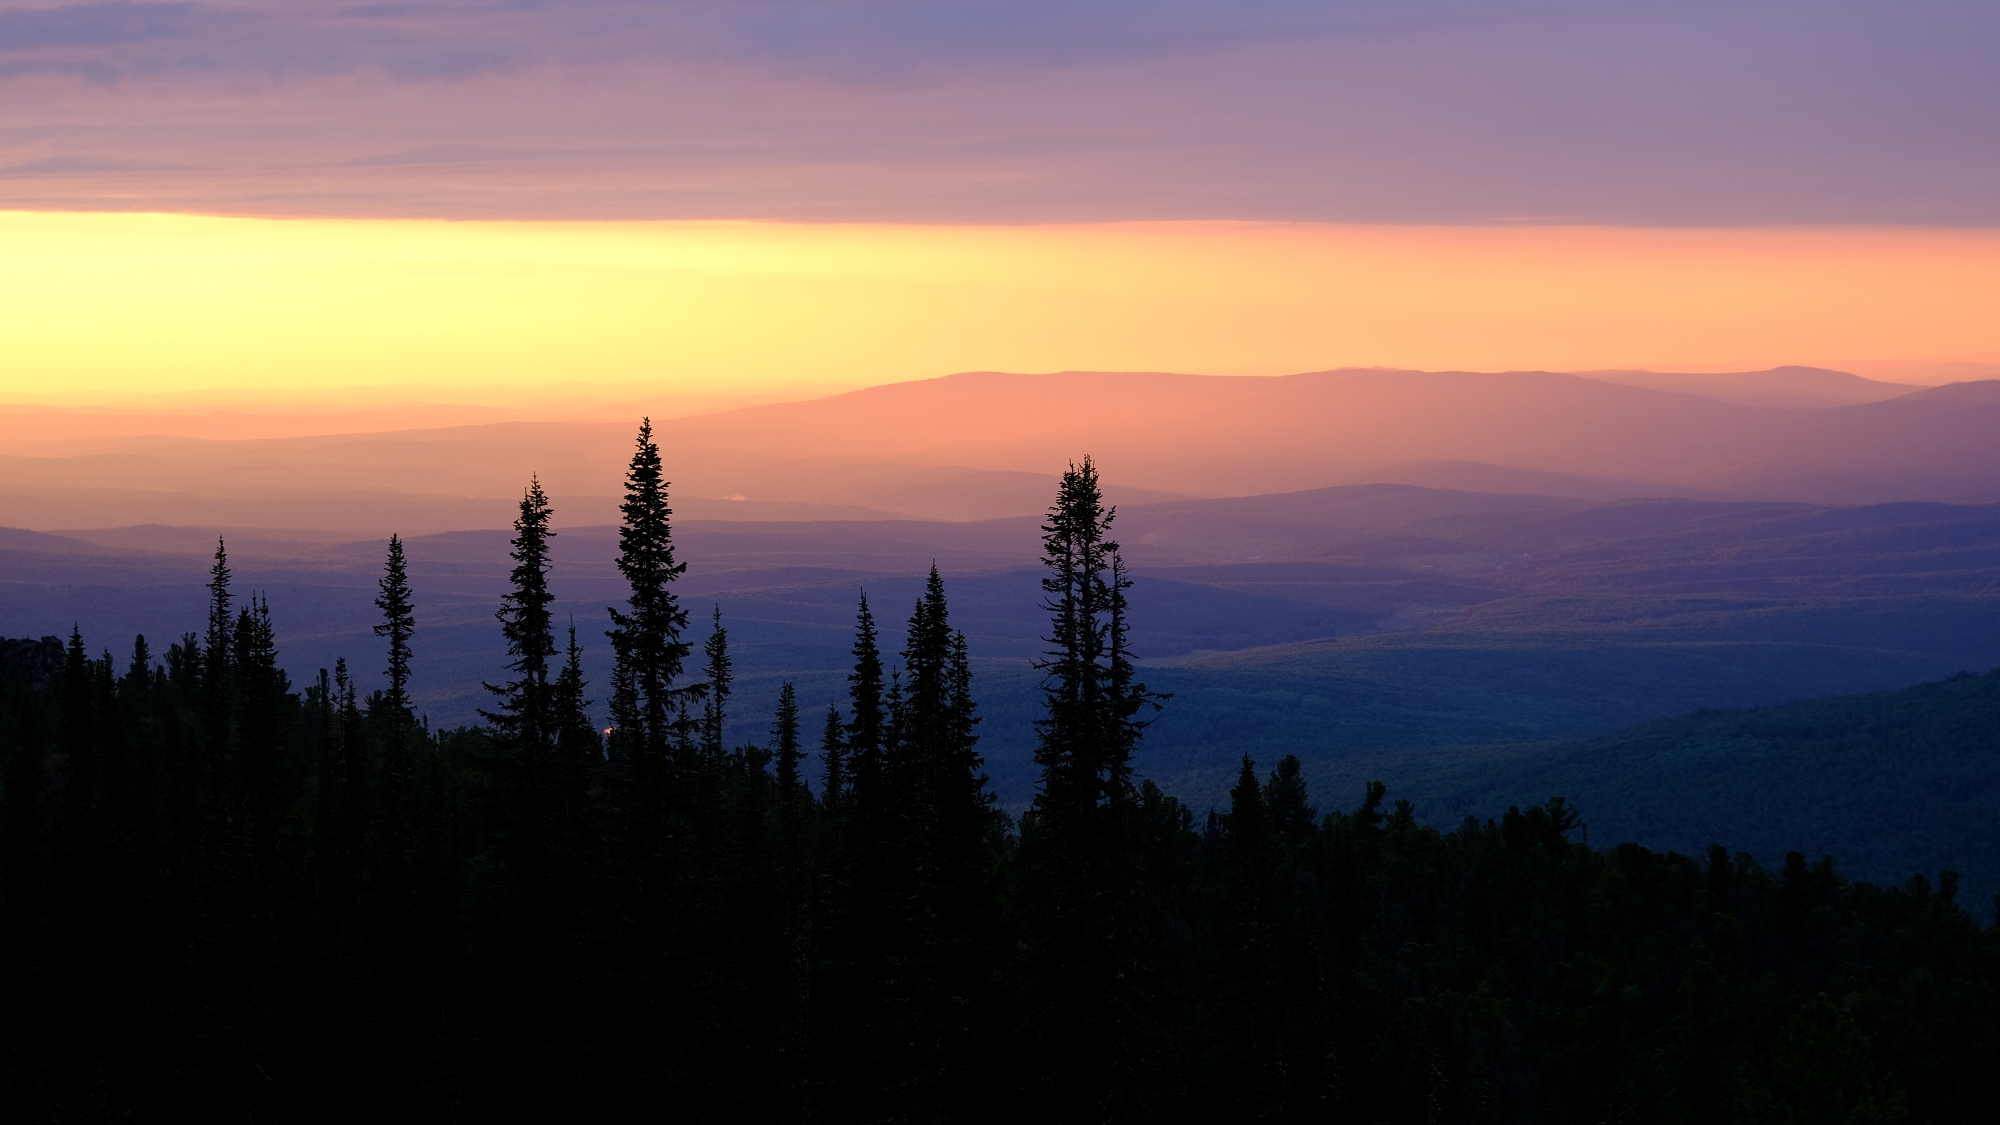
{"x":989,"y":444}
{"x":1205,"y":435}
{"x":1325,"y":623}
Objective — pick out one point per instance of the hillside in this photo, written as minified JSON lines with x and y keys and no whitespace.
{"x":1376,"y":631}
{"x":1888,"y":783}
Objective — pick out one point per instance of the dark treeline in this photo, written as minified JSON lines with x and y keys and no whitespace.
{"x":226,"y":896}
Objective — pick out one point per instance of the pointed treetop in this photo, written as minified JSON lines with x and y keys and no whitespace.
{"x":218,"y":607}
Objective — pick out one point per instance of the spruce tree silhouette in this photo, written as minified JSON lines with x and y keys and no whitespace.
{"x":398,"y":624}
{"x":529,"y":899}
{"x":1090,"y":945}
{"x":393,"y":928}
{"x":793,"y":817}
{"x":941,"y":897}
{"x":526,"y":715}
{"x":651,"y":751}
{"x":857,"y":948}
{"x":646,"y":637}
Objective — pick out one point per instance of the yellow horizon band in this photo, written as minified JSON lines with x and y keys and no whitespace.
{"x":101,"y":305}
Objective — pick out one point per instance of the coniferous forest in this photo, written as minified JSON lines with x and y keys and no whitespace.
{"x":227,"y":896}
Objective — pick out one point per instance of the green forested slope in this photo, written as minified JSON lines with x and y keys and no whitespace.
{"x":1887,"y":783}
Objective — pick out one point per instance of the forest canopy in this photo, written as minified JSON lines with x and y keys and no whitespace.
{"x":223,"y":894}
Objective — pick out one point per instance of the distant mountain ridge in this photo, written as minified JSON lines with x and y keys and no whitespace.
{"x":1214,"y":435}
{"x":1784,"y":388}
{"x":988,"y":444}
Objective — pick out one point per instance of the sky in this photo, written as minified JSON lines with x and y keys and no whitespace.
{"x":762,"y":195}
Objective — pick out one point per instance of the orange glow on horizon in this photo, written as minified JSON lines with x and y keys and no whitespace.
{"x":103,"y":307}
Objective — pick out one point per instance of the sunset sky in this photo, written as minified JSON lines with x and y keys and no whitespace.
{"x":467,"y":198}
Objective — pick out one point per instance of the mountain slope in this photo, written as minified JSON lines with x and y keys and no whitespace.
{"x":1888,"y":783}
{"x":1788,"y":388}
{"x":1219,"y":436}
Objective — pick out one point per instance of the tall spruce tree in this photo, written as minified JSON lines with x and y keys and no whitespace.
{"x":858,"y":985}
{"x":216,"y":681}
{"x":393,"y":923}
{"x":836,"y":778}
{"x":1250,"y":1008}
{"x":526,"y":716}
{"x":645,"y":638}
{"x":261,"y":691}
{"x":398,"y":624}
{"x":718,"y":671}
{"x":794,"y":867}
{"x":526,"y":724}
{"x":77,"y":742}
{"x":941,"y":897}
{"x":655,"y":921}
{"x":579,"y":746}
{"x":1090,"y":948}
{"x":865,"y":686}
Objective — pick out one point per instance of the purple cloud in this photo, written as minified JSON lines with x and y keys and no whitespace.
{"x":1701,"y":111}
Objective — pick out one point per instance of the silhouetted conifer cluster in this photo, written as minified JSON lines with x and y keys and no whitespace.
{"x":226,"y":898}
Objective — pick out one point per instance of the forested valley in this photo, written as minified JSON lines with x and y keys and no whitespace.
{"x":224,"y":895}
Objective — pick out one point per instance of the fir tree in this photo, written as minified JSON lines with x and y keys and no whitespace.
{"x":579,"y":748}
{"x":394,"y":927}
{"x":1251,"y":1012}
{"x":216,"y":675}
{"x":794,"y":803}
{"x":646,"y":638}
{"x":835,"y":776}
{"x":658,"y":827}
{"x":941,"y":896}
{"x":718,"y":669}
{"x":526,"y":714}
{"x":865,"y":729}
{"x":77,"y":743}
{"x":398,"y":623}
{"x":1292,"y":816}
{"x":261,"y":692}
{"x":1091,"y":944}
{"x":526,"y":724}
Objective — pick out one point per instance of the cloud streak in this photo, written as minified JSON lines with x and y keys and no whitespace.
{"x":844,"y":40}
{"x":1631,"y":111}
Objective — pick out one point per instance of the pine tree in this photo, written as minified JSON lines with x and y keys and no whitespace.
{"x":398,"y":624}
{"x":865,"y":729}
{"x":942,"y":910}
{"x":352,"y":805}
{"x":329,"y":864}
{"x":794,"y":804}
{"x":858,"y":942}
{"x":526,"y":713}
{"x":579,"y":748}
{"x":77,"y":743}
{"x":836,"y":778}
{"x":261,"y":691}
{"x":1082,"y":848}
{"x":216,"y":676}
{"x":719,"y":672}
{"x":531,"y":884}
{"x":395,"y":922}
{"x":1251,"y":1016}
{"x":1292,"y":816}
{"x":646,"y":638}
{"x":662,"y":918}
